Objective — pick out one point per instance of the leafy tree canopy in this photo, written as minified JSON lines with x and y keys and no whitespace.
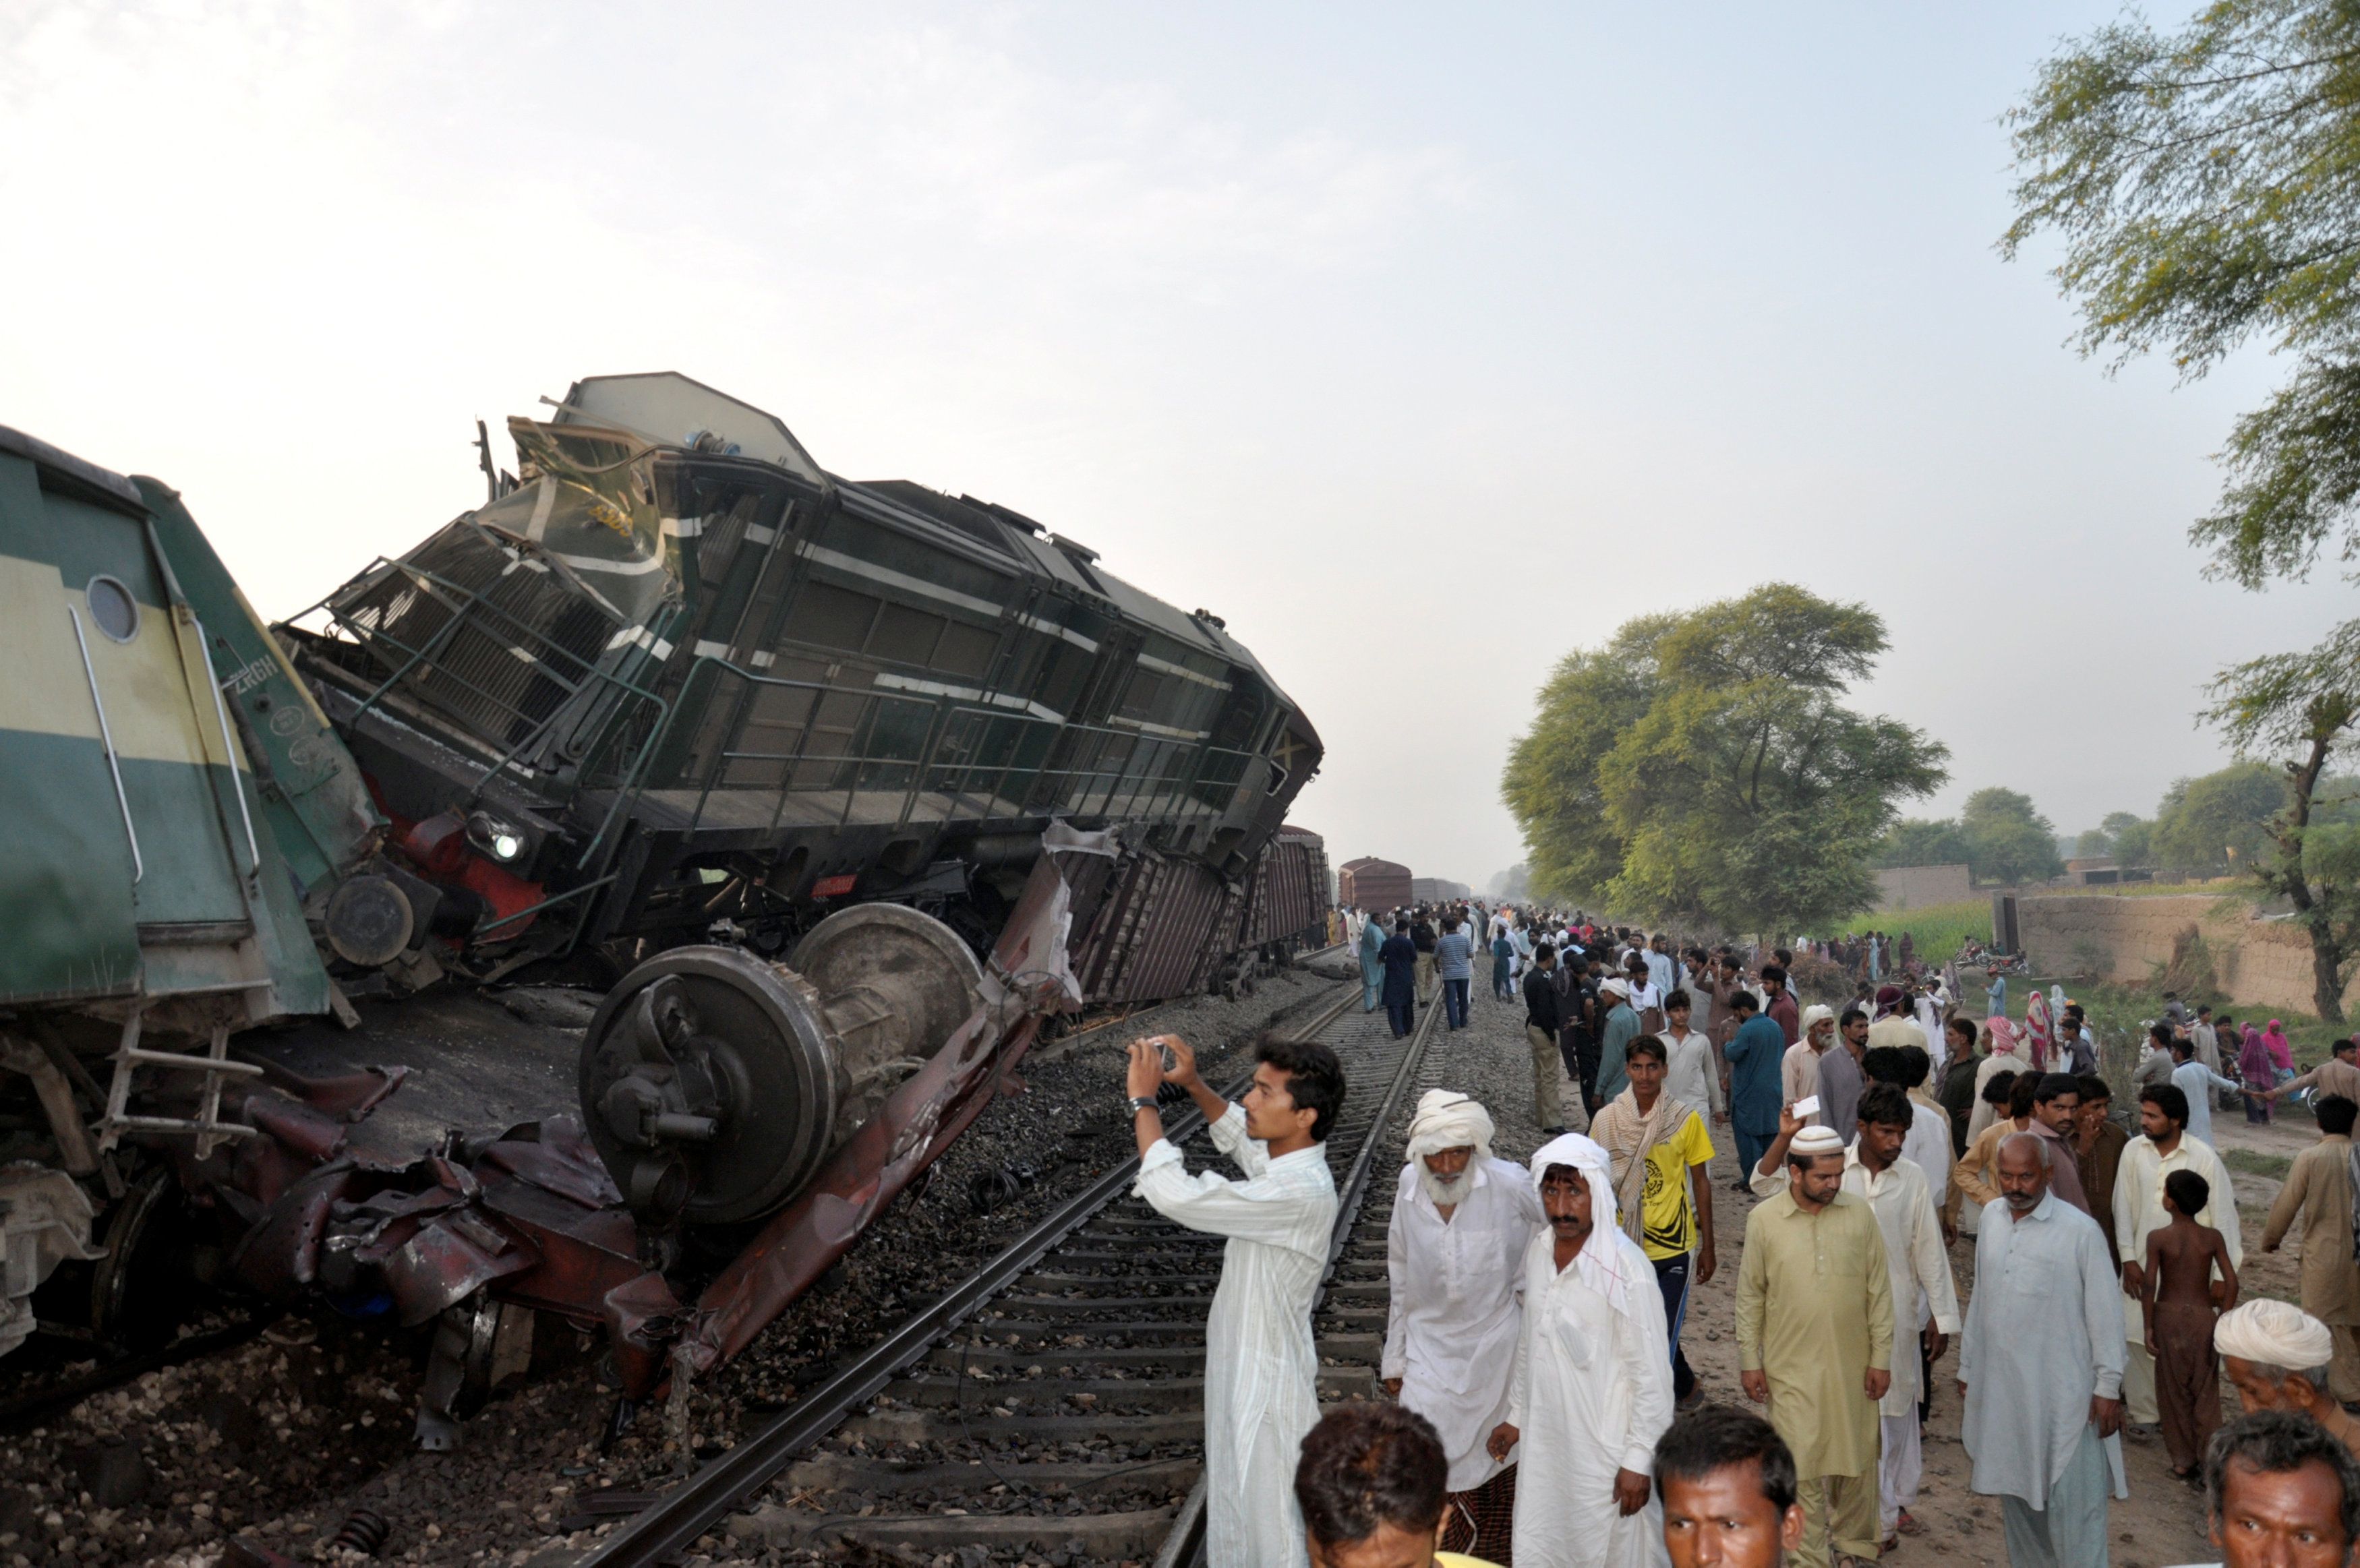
{"x":2220,"y":822}
{"x":1701,"y":767}
{"x":1915,"y":841}
{"x":2206,"y":185}
{"x":2008,"y":839}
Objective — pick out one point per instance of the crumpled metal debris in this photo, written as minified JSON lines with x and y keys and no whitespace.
{"x":533,"y":1220}
{"x":45,"y":1218}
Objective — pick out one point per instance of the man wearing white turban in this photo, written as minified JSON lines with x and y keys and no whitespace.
{"x":1798,"y":1071}
{"x":1455,"y":1258}
{"x":1593,"y":1379}
{"x":2276,"y":1356}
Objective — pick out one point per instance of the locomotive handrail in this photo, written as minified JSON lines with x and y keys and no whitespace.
{"x":138,"y":867}
{"x":1085,"y":785}
{"x":229,"y":751}
{"x":468,"y":608}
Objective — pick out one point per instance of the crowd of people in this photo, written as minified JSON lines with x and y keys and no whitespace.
{"x":1541,"y":1410}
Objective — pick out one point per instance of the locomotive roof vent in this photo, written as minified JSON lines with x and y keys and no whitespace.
{"x":1074,"y":547}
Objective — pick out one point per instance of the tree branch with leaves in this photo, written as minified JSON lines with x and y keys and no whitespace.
{"x":2300,"y":707}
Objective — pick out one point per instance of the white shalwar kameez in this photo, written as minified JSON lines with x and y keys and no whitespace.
{"x":1594,"y":1389}
{"x":1938,"y":1038}
{"x":1262,"y":1372}
{"x":1919,"y":1269}
{"x":1451,"y":1332}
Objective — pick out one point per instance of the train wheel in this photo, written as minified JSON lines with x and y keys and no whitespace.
{"x":139,"y":1293}
{"x":713,"y":1084}
{"x":708,"y":1085}
{"x":895,"y":982}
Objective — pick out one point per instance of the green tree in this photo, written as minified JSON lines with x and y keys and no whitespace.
{"x":2206,"y":186}
{"x":2220,"y":822}
{"x":1701,"y":767}
{"x":2131,"y":838}
{"x":2300,"y":707}
{"x":1914,"y":840}
{"x":2007,"y":839}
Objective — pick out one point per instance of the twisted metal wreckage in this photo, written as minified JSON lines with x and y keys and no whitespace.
{"x":306,"y":922}
{"x":533,"y":1220}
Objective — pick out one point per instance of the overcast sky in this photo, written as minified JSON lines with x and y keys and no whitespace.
{"x":1423,"y":344}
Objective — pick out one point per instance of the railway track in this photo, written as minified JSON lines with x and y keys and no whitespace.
{"x":1053,"y":1403}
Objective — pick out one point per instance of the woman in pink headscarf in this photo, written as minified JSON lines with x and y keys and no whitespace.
{"x":2000,"y":1055}
{"x":2254,"y":1066}
{"x":2274,"y":1040}
{"x":2036,"y":1030}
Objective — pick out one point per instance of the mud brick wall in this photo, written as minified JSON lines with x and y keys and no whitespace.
{"x":1914,"y":887}
{"x":2259,"y":963}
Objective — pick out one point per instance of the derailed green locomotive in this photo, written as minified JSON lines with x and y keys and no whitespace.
{"x":765,"y":756}
{"x":675,"y":675}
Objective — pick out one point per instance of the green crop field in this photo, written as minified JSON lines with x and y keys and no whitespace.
{"x":1937,"y":928}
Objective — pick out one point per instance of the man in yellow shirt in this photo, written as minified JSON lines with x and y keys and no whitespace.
{"x":1663,"y":1185}
{"x":1371,"y":1483}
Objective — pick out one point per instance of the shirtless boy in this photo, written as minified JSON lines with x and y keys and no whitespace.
{"x":2181,"y":1300}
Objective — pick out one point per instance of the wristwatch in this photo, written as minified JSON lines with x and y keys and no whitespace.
{"x":1141,"y":1103}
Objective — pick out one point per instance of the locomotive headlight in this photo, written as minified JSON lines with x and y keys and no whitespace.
{"x":494,"y":837}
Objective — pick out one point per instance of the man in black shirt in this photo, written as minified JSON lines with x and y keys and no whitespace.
{"x":1400,"y":956}
{"x":1543,"y":1019}
{"x":1421,"y":936}
{"x":1576,"y":1039}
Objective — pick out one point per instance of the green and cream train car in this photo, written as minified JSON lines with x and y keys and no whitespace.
{"x":154,"y":894}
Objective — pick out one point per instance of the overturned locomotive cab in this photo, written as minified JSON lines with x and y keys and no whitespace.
{"x":685,"y":839}
{"x":677,"y":686}
{"x":676,"y":681}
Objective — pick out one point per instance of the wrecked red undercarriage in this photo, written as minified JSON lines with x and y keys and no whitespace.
{"x":532,"y":1221}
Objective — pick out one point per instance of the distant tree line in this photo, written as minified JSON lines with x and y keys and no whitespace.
{"x":1998,"y":836}
{"x":2209,"y":826}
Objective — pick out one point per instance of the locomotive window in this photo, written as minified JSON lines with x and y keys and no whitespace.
{"x":831,"y":617}
{"x":905,"y":636}
{"x":967,"y":650}
{"x":112,"y":608}
{"x":1139,"y":701}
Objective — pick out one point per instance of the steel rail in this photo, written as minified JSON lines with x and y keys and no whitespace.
{"x":670,"y":1525}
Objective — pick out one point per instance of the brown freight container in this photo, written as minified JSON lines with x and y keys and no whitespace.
{"x":1369,"y":884}
{"x":1288,"y":900}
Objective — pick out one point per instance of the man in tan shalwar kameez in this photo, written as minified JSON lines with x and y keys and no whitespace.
{"x":1815,"y":1339}
{"x":2316,"y":1203}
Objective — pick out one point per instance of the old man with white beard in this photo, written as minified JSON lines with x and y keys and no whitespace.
{"x":1455,"y":1258}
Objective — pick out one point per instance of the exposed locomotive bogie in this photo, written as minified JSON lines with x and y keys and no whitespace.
{"x":716,"y":1082}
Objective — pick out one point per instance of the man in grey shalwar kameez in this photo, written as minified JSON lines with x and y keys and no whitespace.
{"x":1372,"y":969}
{"x":1262,"y":1372}
{"x":2041,"y":1368}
